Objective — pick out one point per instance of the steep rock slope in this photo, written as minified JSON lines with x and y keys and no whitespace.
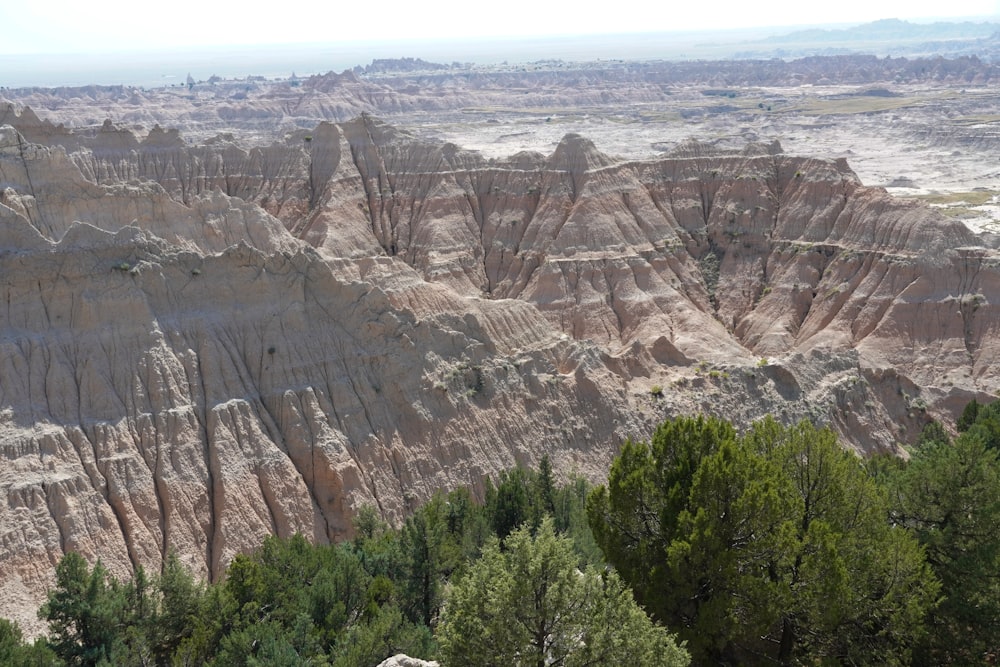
{"x":202,"y":345}
{"x":162,"y":388}
{"x":695,"y":257}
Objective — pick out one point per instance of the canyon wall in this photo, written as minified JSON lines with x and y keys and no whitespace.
{"x":201,"y":345}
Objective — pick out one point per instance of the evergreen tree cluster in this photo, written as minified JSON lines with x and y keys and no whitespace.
{"x":355,"y":603}
{"x":772,"y":546}
{"x":948,"y":496}
{"x":779,"y":547}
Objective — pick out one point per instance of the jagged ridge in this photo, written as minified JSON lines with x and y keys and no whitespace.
{"x":182,"y":370}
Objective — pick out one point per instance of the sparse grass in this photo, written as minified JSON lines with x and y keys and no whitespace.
{"x":656,"y":391}
{"x":959,"y":204}
{"x":977,"y":119}
{"x":852,"y":105}
{"x":660,"y":116}
{"x":466,"y":378}
{"x":557,"y":114}
{"x":960,"y":212}
{"x":974,"y":198}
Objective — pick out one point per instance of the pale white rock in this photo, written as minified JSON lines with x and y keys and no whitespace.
{"x":402,"y":660}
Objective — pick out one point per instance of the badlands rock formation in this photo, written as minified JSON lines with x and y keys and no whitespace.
{"x":410,"y":90}
{"x":202,"y":345}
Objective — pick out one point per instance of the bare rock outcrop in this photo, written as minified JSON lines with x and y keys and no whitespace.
{"x":166,"y":387}
{"x":396,"y":88}
{"x":703,"y":256}
{"x":203,"y":345}
{"x":401,"y":660}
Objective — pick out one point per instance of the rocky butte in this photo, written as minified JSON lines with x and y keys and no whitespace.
{"x":203,"y":344}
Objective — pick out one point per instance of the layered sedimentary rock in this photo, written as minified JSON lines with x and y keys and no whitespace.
{"x":203,"y":345}
{"x":403,"y":88}
{"x":194,"y":378}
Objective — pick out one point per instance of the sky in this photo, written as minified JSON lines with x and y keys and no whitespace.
{"x":72,"y":26}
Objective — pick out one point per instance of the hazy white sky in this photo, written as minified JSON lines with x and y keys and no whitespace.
{"x":73,"y":26}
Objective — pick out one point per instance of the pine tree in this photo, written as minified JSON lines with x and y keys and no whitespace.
{"x":634,"y":518}
{"x":13,"y":650}
{"x":545,"y":487}
{"x":180,"y":598}
{"x":423,"y":544}
{"x":771,"y":546}
{"x":86,"y":612}
{"x":949,"y":495}
{"x":508,"y":505}
{"x":527,"y":604}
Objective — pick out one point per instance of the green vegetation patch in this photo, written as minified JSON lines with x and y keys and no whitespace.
{"x":979,"y":119}
{"x":959,"y":205}
{"x":783,"y":529}
{"x":851,"y":105}
{"x":972,"y":198}
{"x":960,"y":212}
{"x":771,"y":546}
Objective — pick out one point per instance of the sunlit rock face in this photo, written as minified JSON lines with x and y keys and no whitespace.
{"x":201,"y":345}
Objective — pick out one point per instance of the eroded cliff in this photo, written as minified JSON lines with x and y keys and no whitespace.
{"x":202,"y":345}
